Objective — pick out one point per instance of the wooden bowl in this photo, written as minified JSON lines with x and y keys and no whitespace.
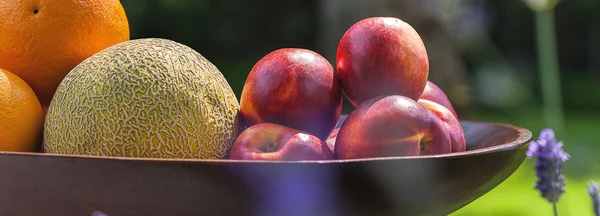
{"x":45,"y":184}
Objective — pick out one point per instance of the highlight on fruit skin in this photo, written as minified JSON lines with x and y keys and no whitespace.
{"x":152,"y":98}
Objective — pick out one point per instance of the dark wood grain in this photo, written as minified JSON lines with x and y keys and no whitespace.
{"x":44,"y":184}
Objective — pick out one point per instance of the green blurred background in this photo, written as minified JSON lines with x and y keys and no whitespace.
{"x":482,"y":54}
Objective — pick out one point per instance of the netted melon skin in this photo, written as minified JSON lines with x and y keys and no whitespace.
{"x":150,"y":98}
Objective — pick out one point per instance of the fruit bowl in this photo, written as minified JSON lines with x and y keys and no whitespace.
{"x":45,"y":184}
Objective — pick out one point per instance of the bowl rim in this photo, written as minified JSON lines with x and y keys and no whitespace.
{"x":525,"y":136}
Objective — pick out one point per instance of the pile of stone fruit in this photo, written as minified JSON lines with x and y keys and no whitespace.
{"x":292,"y":100}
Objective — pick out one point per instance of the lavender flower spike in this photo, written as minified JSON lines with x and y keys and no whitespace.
{"x":550,"y":158}
{"x":593,"y":190}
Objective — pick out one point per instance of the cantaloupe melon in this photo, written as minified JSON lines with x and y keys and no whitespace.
{"x":151,"y":98}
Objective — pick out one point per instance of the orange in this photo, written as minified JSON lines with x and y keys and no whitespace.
{"x":42,"y":40}
{"x":21,"y":118}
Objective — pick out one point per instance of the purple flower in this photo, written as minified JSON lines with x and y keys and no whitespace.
{"x":593,"y":190}
{"x":550,"y":158}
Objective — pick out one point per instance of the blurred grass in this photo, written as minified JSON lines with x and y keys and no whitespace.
{"x":516,"y":196}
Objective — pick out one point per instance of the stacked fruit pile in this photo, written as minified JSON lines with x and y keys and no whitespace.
{"x":292,"y":100}
{"x":106,"y":95}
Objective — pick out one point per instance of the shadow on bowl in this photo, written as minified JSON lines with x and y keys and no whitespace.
{"x":45,"y":184}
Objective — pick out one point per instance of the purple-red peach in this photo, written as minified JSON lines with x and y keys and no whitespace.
{"x":457,"y":136}
{"x":387,"y":126}
{"x":294,"y":87}
{"x":381,"y":56}
{"x":267,"y":141}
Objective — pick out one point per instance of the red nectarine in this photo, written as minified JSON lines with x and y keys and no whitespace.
{"x":267,"y":141}
{"x":294,"y":87}
{"x":457,"y":136}
{"x":381,"y":56}
{"x":392,"y":125}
